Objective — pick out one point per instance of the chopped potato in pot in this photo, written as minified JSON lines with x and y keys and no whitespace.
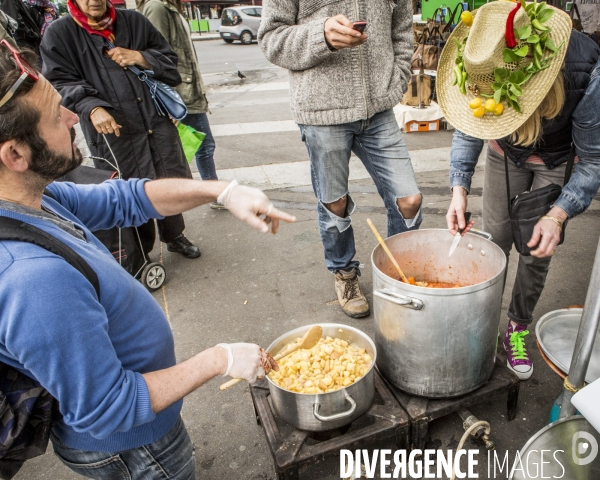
{"x":330,"y":365}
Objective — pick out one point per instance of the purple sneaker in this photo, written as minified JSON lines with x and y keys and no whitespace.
{"x":518,"y":358}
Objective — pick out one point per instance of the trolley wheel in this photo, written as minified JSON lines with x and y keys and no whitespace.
{"x":153,"y":276}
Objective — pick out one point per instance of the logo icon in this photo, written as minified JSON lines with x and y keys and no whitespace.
{"x":585,"y":448}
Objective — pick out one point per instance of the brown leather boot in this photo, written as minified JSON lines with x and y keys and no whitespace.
{"x":353,"y":302}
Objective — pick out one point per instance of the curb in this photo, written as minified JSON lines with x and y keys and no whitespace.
{"x":203,"y":39}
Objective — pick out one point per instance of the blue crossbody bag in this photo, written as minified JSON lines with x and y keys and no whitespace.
{"x":167,"y":101}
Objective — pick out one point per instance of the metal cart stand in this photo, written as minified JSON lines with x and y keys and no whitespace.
{"x":421,"y":410}
{"x":384,"y":425}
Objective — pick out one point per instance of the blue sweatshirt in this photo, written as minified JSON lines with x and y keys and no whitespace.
{"x":89,"y":354}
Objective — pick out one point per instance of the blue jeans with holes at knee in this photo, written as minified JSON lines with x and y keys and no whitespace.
{"x":378,"y":143}
{"x":169,"y":458}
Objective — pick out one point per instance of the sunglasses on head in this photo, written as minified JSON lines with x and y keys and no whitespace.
{"x":27,"y":71}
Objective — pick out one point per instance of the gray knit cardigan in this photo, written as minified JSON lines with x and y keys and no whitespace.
{"x":334,"y":87}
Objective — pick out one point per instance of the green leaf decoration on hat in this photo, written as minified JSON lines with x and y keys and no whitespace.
{"x":532,"y":54}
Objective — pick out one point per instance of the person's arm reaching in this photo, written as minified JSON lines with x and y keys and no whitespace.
{"x":238,"y":360}
{"x":171,"y":384}
{"x":463,"y":159}
{"x":171,"y":196}
{"x":114,"y":203}
{"x":73,"y":357}
{"x":133,"y":202}
{"x":584,"y":183}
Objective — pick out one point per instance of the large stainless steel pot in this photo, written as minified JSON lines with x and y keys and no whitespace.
{"x":438,"y":342}
{"x":326,"y":411}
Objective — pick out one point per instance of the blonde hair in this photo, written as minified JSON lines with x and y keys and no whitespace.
{"x":528,"y":133}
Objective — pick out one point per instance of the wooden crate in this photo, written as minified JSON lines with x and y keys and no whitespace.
{"x":428,"y":126}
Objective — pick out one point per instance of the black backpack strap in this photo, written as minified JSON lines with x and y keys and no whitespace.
{"x":507,"y":184}
{"x":12,"y":229}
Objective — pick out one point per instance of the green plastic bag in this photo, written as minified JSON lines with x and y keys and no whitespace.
{"x":191,"y":139}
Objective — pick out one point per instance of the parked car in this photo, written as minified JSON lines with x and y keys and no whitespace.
{"x":240,"y":23}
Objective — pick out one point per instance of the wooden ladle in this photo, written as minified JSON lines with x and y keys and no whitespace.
{"x":387,"y":251}
{"x":308,"y":341}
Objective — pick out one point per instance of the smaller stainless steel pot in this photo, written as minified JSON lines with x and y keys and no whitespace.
{"x":325,"y":411}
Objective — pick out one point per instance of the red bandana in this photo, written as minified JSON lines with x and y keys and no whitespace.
{"x":104,"y":27}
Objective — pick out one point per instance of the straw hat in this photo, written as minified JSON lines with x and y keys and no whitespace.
{"x":482,"y":53}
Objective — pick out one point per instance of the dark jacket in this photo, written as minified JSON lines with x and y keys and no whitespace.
{"x":74,"y":63}
{"x":555,"y":144}
{"x":28,"y":34}
{"x":165,"y":17}
{"x":7,"y":29}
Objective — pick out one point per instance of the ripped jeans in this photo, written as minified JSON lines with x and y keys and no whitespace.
{"x":378,"y":143}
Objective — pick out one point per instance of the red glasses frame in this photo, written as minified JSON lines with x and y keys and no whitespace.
{"x":27,"y":71}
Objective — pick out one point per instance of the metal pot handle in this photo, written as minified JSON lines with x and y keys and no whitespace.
{"x":399,"y":299}
{"x":337,"y":416}
{"x":481,"y":233}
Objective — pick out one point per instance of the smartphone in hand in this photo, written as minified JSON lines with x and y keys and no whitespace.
{"x":359,"y":26}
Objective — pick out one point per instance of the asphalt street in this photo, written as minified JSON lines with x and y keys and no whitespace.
{"x":218,"y":57}
{"x":249,"y":287}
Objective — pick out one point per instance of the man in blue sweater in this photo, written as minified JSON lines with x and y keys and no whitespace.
{"x":110,"y":361}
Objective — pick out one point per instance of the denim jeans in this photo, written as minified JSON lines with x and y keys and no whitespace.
{"x":204,"y":156}
{"x":531,"y":271}
{"x":169,"y":458}
{"x":378,"y":143}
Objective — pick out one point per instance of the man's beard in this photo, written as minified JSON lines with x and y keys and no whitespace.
{"x":50,"y":165}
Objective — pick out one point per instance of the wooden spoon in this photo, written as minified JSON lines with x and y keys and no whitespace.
{"x":308,"y":341}
{"x":387,"y":251}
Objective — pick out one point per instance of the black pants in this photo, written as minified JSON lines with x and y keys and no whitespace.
{"x":169,"y":229}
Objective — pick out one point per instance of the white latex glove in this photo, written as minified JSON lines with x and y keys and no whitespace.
{"x":247,"y":361}
{"x":247,"y":204}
